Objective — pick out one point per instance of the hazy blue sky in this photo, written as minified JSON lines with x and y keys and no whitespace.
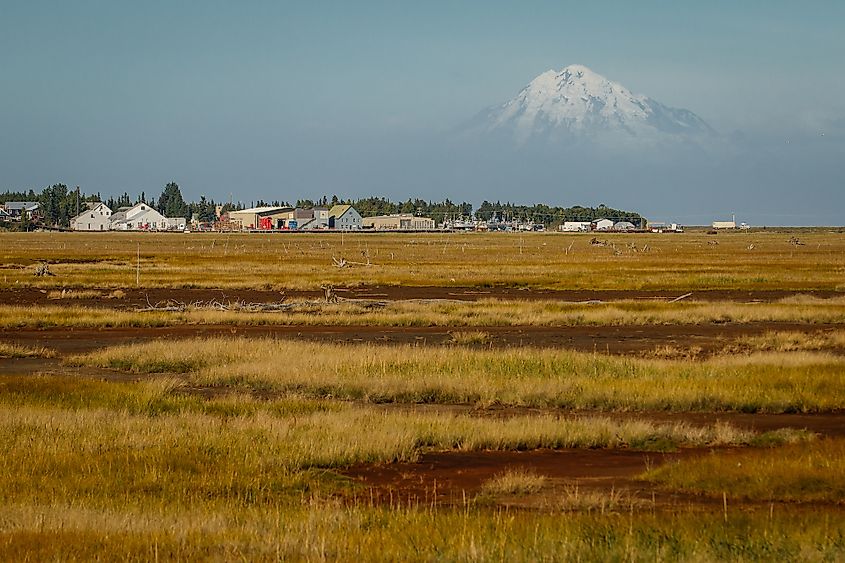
{"x":281,"y":99}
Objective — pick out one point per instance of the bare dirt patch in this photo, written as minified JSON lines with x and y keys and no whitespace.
{"x":456,"y":478}
{"x":135,"y":298}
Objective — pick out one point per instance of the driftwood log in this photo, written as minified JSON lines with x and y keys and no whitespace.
{"x":43,"y":269}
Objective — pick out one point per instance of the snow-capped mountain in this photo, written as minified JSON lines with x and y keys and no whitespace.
{"x":577,"y":104}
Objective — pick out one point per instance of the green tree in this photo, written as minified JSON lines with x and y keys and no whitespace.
{"x":204,"y":210}
{"x":57,"y":205}
{"x":171,"y":203}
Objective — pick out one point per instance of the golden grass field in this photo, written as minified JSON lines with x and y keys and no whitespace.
{"x":753,"y":260}
{"x":121,"y":442}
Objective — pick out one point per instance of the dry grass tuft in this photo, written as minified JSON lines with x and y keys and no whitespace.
{"x":670,"y":352}
{"x":470,"y":337}
{"x":73,"y":294}
{"x":790,"y":342}
{"x":18,"y":351}
{"x":576,"y":499}
{"x":517,"y":481}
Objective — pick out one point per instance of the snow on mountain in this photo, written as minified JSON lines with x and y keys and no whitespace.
{"x":578,"y":104}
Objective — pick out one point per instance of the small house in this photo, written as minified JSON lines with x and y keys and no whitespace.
{"x":17,"y":209}
{"x":96,"y":218}
{"x":142,"y":217}
{"x":344,"y":218}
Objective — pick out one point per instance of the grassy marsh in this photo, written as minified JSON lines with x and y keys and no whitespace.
{"x":231,"y":448}
{"x":543,"y":260}
{"x":320,"y":530}
{"x":141,"y":470}
{"x":764,"y":382}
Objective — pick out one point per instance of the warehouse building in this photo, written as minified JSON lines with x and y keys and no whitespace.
{"x":399,"y":222}
{"x":261,"y":218}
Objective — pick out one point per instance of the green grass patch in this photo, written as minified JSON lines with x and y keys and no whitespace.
{"x":813,"y":471}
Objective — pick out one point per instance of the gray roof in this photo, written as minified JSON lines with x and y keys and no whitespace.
{"x":21,"y":205}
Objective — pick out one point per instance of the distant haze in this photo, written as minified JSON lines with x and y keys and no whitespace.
{"x":720,"y":107}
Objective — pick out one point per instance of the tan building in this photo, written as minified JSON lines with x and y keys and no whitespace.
{"x":399,"y":222}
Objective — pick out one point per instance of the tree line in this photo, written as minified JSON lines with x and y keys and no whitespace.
{"x":553,"y":215}
{"x":59,"y":204}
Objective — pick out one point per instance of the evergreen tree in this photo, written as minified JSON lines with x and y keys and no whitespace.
{"x":204,"y":210}
{"x":171,"y":203}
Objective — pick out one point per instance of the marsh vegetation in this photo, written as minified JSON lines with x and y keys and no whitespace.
{"x":480,"y":420}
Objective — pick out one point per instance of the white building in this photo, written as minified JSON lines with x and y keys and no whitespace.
{"x":574,"y":226}
{"x":344,"y":218}
{"x":142,"y":217}
{"x":603,"y":225}
{"x":724,"y":224}
{"x":96,"y":218}
{"x":624,"y":226}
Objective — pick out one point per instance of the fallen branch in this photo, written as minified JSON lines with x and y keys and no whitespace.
{"x":172,"y":306}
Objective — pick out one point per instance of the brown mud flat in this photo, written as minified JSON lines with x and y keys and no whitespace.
{"x":136,"y":298}
{"x":609,"y":479}
{"x":618,"y":340}
{"x":456,"y":478}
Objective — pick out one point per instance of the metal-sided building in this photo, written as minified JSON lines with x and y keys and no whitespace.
{"x":398,"y":222}
{"x":261,"y":218}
